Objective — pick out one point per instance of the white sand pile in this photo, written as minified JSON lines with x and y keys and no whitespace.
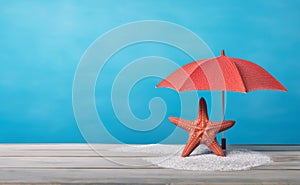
{"x":234,"y":160}
{"x":201,"y":159}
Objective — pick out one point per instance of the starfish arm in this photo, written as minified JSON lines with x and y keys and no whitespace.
{"x":192,"y":143}
{"x":220,"y":126}
{"x":215,"y":148}
{"x":226,"y":125}
{"x":202,"y":113}
{"x":187,"y":125}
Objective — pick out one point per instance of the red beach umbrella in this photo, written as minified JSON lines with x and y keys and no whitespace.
{"x":222,"y":73}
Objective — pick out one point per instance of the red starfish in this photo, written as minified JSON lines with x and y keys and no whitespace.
{"x":202,"y":131}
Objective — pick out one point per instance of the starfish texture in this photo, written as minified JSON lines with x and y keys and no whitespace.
{"x":202,"y":131}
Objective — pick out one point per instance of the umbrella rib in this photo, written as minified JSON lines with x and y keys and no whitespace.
{"x":240,"y":75}
{"x":198,"y":65}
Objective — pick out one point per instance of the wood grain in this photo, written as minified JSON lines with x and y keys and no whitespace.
{"x":80,"y":164}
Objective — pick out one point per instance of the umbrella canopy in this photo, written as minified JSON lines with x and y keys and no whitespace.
{"x":221,"y":73}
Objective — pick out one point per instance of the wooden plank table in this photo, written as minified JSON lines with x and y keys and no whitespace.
{"x":79,"y":164}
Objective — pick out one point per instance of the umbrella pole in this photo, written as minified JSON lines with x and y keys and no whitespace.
{"x":223,"y":118}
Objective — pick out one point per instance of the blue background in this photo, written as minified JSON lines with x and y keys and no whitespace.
{"x":41,"y":43}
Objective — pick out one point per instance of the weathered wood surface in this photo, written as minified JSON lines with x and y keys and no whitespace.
{"x":79,"y":164}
